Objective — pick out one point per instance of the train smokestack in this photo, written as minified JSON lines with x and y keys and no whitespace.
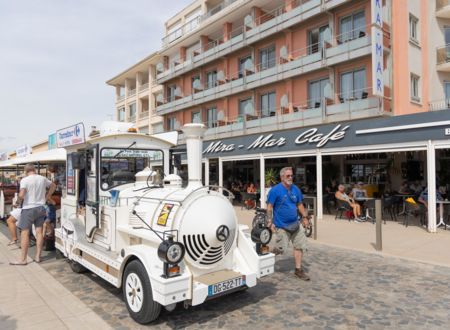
{"x":193,"y":134}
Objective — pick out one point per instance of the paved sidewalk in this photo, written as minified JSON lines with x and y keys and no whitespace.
{"x":30,"y":298}
{"x":412,"y":243}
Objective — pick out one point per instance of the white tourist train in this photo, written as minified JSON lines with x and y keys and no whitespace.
{"x":128,"y":222}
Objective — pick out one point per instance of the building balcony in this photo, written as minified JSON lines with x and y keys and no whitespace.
{"x":120,"y":98}
{"x":194,"y":23}
{"x":443,"y":58}
{"x":443,"y":104}
{"x":276,"y":20}
{"x":309,"y":113}
{"x":144,"y":114}
{"x":132,"y":92}
{"x":143,"y":87}
{"x":443,"y":8}
{"x":269,"y":24}
{"x":294,"y":64}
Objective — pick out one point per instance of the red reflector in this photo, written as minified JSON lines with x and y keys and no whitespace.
{"x":264,"y":249}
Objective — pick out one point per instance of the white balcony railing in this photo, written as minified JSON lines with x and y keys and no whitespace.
{"x":285,"y":15}
{"x":310,"y":112}
{"x":120,"y":98}
{"x":132,"y":92}
{"x":310,"y":58}
{"x":194,"y":23}
{"x":143,"y":87}
{"x":144,"y":114}
{"x":439,"y":105}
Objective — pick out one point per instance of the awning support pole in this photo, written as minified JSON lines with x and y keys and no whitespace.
{"x":206,"y":171}
{"x":431,"y":179}
{"x":262,"y":180}
{"x":319,"y":184}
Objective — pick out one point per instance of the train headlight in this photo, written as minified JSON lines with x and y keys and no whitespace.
{"x":261,"y":235}
{"x":265,"y":236}
{"x":171,"y":252}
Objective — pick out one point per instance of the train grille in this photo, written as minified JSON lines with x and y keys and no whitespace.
{"x":203,"y":253}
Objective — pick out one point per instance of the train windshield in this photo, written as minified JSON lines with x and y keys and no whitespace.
{"x":119,"y":166}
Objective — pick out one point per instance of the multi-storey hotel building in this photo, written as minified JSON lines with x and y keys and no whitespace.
{"x":136,"y":91}
{"x":352,"y":90}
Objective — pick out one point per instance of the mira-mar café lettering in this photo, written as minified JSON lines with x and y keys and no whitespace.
{"x":309,"y":136}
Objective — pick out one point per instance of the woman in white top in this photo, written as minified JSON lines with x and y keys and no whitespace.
{"x":341,"y":195}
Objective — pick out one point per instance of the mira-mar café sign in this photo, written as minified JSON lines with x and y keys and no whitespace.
{"x":267,"y":141}
{"x":421,"y":127}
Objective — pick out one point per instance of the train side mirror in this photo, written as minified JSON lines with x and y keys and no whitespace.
{"x":177,"y":160}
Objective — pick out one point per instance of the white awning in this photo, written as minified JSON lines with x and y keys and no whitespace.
{"x":48,"y":156}
{"x":7,"y":163}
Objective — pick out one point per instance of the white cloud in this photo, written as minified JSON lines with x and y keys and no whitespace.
{"x":57,"y":54}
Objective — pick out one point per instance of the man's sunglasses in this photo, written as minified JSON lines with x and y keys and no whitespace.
{"x":288,"y":175}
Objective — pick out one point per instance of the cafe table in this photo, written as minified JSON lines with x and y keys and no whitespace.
{"x":404,"y":196}
{"x":441,"y":213}
{"x":364,"y":200}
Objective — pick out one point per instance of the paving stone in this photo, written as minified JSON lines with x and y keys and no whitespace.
{"x":348,"y":290}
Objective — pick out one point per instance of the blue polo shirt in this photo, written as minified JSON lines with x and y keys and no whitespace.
{"x":284,"y":204}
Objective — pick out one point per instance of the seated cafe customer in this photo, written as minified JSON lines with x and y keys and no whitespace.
{"x":358,"y":191}
{"x":405,"y":189}
{"x":342,"y":196}
{"x":423,"y":198}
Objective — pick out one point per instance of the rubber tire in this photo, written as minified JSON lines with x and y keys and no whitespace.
{"x":59,"y":254}
{"x":150,"y":309}
{"x":76,"y":267}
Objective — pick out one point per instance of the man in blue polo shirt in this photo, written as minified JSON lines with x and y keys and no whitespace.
{"x":283,"y":203}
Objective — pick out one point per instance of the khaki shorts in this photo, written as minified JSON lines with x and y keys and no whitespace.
{"x":298,"y":239}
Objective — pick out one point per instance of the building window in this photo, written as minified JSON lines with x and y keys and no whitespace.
{"x":157,"y":128}
{"x":144,"y":130}
{"x":171,"y":93}
{"x":121,"y":114}
{"x":211,"y":117}
{"x":171,"y":123}
{"x":413,"y":26}
{"x":316,"y":92}
{"x":211,"y":79}
{"x":267,"y":104}
{"x":415,"y":87}
{"x":196,"y":117}
{"x":242,"y":61}
{"x":132,"y":108}
{"x":353,"y":85}
{"x":352,"y":26}
{"x":316,"y":38}
{"x":267,"y":58}
{"x":447,"y":90}
{"x":244,"y":107}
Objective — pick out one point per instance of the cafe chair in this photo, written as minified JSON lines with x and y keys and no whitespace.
{"x":389,"y":208}
{"x":369,"y":210}
{"x":343,"y":208}
{"x":415,"y":210}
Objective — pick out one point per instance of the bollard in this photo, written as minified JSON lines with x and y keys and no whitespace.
{"x":378,"y":217}
{"x":315,"y":218}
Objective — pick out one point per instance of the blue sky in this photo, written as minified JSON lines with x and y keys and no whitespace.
{"x":55,"y":56}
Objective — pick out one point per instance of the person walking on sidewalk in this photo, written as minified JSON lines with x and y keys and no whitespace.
{"x":283,"y":203}
{"x":33,"y":196}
